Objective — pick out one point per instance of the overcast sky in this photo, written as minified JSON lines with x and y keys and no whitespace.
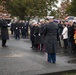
{"x":59,"y":2}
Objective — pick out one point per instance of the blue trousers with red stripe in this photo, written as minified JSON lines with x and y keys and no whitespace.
{"x":52,"y":57}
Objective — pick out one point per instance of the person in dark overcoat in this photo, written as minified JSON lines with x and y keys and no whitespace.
{"x":23,"y":28}
{"x":42,"y":21}
{"x":37,"y":35}
{"x":27,"y":24}
{"x":71,"y":37}
{"x":12,"y":28}
{"x":60,"y":29}
{"x":4,"y":32}
{"x":17,"y":30}
{"x":50,"y":32}
{"x":32,"y":36}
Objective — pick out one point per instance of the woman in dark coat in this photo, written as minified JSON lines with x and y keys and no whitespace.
{"x":42,"y":36}
{"x":4,"y":32}
{"x":32,"y":37}
{"x":50,"y":32}
{"x":37,"y":36}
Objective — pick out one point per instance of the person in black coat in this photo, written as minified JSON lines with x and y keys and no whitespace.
{"x":71,"y":36}
{"x":50,"y":32}
{"x":4,"y":32}
{"x":42,"y":21}
{"x":60,"y":29}
{"x":17,"y":30}
{"x":32,"y":36}
{"x":23,"y":29}
{"x":12,"y":28}
{"x":37,"y":36}
{"x":27,"y":24}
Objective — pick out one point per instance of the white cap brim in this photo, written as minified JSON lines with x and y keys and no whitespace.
{"x":50,"y":17}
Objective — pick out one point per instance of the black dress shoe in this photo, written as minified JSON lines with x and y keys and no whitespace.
{"x":31,"y":47}
{"x":4,"y":46}
{"x":54,"y":62}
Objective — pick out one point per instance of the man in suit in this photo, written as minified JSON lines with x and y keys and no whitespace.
{"x":50,"y":32}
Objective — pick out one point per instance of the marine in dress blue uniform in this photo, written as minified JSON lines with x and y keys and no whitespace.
{"x":50,"y":32}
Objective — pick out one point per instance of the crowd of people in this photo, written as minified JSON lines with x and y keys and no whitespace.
{"x":65,"y":34}
{"x":45,"y":34}
{"x":19,"y":29}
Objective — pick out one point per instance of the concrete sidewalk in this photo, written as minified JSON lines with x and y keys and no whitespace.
{"x":20,"y":59}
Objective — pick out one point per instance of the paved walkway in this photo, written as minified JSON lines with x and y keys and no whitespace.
{"x":19,"y":59}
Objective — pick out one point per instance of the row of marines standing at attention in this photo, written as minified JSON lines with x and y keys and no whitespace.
{"x":19,"y":29}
